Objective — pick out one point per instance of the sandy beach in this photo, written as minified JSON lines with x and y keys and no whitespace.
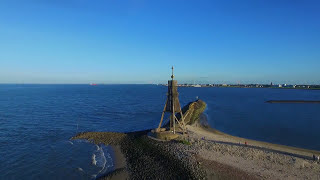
{"x":259,"y":160}
{"x":120,"y":165}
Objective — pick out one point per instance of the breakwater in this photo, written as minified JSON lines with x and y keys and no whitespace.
{"x":206,"y":154}
{"x":148,"y":158}
{"x":292,"y":101}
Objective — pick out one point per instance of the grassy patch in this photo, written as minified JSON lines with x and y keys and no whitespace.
{"x":185,"y":142}
{"x":199,"y":107}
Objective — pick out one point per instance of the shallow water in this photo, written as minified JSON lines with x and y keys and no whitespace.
{"x":37,"y":121}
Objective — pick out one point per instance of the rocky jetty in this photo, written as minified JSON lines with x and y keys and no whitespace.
{"x":147,"y":158}
{"x":205,"y":153}
{"x":108,"y":138}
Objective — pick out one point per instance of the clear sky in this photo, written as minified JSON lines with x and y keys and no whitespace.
{"x":115,"y":41}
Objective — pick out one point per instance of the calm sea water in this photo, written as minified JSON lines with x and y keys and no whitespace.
{"x":37,"y":121}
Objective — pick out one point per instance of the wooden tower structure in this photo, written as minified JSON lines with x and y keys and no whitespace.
{"x":172,"y":106}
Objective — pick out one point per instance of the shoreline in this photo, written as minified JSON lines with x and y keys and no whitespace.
{"x":119,"y":165}
{"x":205,"y":154}
{"x":223,"y":153}
{"x":236,"y":139}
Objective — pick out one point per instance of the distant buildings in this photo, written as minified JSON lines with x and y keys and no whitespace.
{"x":271,"y":85}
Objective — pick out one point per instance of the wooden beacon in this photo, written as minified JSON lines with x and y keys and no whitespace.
{"x":173,"y":106}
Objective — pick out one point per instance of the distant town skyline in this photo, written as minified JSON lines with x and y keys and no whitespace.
{"x":136,"y":42}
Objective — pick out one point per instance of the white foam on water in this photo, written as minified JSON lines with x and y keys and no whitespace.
{"x":70,"y":142}
{"x":100,"y":157}
{"x":109,"y":160}
{"x":93,"y":159}
{"x":94,"y":176}
{"x":80,"y":169}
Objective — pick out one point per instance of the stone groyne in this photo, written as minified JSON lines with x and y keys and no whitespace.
{"x":291,"y":101}
{"x":150,"y":159}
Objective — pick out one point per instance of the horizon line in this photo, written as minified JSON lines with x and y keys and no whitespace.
{"x":148,"y":83}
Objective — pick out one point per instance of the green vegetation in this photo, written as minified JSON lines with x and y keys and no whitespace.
{"x":185,"y":142}
{"x":107,"y":138}
{"x":198,"y":109}
{"x":192,"y":111}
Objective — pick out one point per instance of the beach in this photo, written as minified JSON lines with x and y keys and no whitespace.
{"x":205,"y":153}
{"x":120,"y":170}
{"x":259,"y":160}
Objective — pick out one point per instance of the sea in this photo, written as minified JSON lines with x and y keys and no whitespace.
{"x":38,"y":121}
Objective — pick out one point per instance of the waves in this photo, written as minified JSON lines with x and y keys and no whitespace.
{"x":97,"y":163}
{"x":94,"y":161}
{"x":80,"y":169}
{"x":101,"y":159}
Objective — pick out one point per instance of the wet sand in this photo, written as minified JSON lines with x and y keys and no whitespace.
{"x":120,"y":166}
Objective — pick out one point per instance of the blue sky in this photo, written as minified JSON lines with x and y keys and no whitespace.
{"x":101,"y":41}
